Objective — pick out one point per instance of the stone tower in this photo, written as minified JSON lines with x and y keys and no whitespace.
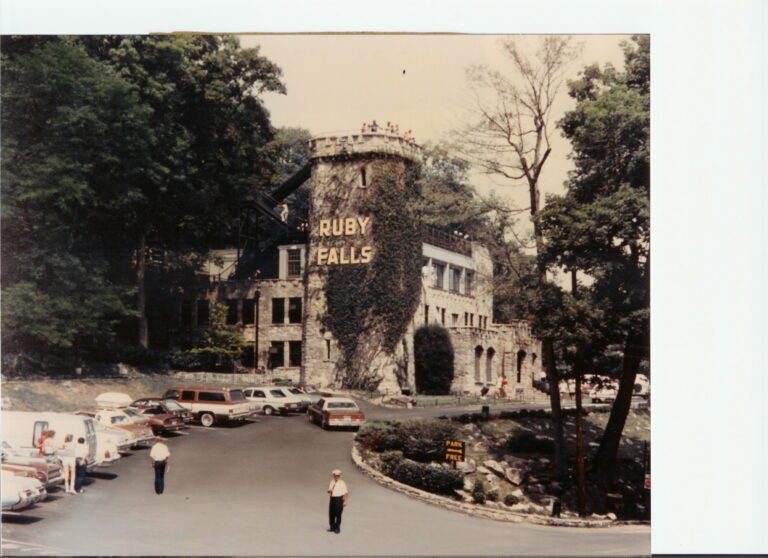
{"x":342,"y":234}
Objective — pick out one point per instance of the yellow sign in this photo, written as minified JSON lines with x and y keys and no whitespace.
{"x":454,"y":450}
{"x":350,"y":226}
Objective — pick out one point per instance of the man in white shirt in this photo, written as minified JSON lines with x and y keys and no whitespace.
{"x":339,"y":494}
{"x":159,"y":456}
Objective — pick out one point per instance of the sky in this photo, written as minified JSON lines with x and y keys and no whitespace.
{"x":337,"y":82}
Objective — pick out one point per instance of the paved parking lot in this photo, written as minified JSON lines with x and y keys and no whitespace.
{"x":259,"y":489}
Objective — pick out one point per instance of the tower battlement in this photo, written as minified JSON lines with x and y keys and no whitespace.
{"x":351,"y":144}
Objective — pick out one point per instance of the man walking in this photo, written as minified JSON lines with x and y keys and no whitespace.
{"x":81,"y":464}
{"x":339,"y":494}
{"x":159,"y":456}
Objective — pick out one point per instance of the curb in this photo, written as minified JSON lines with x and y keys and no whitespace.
{"x":478,"y":511}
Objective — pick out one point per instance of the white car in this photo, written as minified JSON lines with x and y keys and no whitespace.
{"x":271,"y":400}
{"x":603,"y":394}
{"x":110,"y":443}
{"x":20,"y":492}
{"x":298,"y":394}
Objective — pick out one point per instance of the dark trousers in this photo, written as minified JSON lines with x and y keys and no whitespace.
{"x":80,"y":468}
{"x":159,"y":477}
{"x":335,"y":508}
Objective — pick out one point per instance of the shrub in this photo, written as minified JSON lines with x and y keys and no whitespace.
{"x":478,"y":492}
{"x":389,"y":462}
{"x":511,"y":500}
{"x":378,"y":437}
{"x":433,"y":356}
{"x":493,"y":495}
{"x":139,"y":356}
{"x":430,"y":477}
{"x":528,"y":442}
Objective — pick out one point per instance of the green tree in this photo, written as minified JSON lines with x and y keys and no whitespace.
{"x":217,"y":346}
{"x":601,"y":227}
{"x":433,"y":357}
{"x":209,"y":131}
{"x":73,"y":134}
{"x":511,"y":140}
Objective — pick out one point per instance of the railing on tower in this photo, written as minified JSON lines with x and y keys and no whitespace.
{"x":452,"y":242}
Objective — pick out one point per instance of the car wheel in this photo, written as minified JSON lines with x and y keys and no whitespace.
{"x":325,"y":424}
{"x":206,"y":419}
{"x":269,"y":411}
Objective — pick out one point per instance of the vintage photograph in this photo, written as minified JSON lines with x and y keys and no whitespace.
{"x":325,"y":294}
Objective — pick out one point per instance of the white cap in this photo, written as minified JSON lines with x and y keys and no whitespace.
{"x":336,"y":472}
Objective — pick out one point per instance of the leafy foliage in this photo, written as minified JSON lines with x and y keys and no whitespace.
{"x":215,"y":347}
{"x":422,"y":441}
{"x":382,"y":296}
{"x":433,"y":355}
{"x":430,"y":477}
{"x":478,"y":492}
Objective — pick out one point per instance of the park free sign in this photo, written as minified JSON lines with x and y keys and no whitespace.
{"x":454,"y":450}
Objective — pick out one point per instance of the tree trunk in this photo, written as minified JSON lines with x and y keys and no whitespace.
{"x":141,"y":268}
{"x":582,"y":496}
{"x":604,"y":462}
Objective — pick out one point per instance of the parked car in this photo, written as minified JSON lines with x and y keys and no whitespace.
{"x":20,"y":492}
{"x":117,"y":418}
{"x":603,"y":394}
{"x":136,"y":416}
{"x":305,"y":399}
{"x":121,"y":438}
{"x":271,"y":400}
{"x":160,"y":420}
{"x":336,"y":411}
{"x":46,"y":470}
{"x":211,"y":404}
{"x":169,"y":405}
{"x":22,"y":429}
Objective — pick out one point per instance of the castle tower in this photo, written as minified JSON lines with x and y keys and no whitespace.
{"x":346,"y":171}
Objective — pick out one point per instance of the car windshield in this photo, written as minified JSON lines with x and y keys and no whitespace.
{"x":296,"y":391}
{"x":236,"y":395}
{"x":341,"y":405}
{"x":119,"y":420}
{"x":172,"y":405}
{"x":154,"y":411}
{"x":277,"y":393}
{"x":132,"y":413}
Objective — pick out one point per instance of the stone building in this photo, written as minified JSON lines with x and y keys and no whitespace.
{"x":281,"y":313}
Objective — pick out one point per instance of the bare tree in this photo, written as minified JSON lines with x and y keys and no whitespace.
{"x":510,"y":138}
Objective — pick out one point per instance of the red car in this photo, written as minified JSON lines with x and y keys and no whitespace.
{"x":336,"y":411}
{"x":161,"y":421}
{"x":170,"y":406}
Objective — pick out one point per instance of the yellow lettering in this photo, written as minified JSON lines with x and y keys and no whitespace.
{"x":352,"y":256}
{"x":325,"y":227}
{"x":322,"y":254}
{"x":365,"y":254}
{"x":338,"y":231}
{"x":363,"y":221}
{"x":333,"y":257}
{"x":349,"y":227}
{"x":342,"y":258}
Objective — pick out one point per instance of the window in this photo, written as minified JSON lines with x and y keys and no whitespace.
{"x":249,"y":311}
{"x":276,"y":354}
{"x":442,"y":316}
{"x":171,"y":394}
{"x":455,"y":319}
{"x":236,"y":395}
{"x":246,"y":359}
{"x":466,"y":318}
{"x":341,"y":405}
{"x":294,"y":263}
{"x":278,"y":310}
{"x":327,"y":349}
{"x":439,"y":272}
{"x":276,"y":393}
{"x":454,"y":280}
{"x":468,"y":284}
{"x":426,"y":314}
{"x":231,"y":312}
{"x":294,"y":310}
{"x":363,"y":178}
{"x":203,"y":312}
{"x":471,"y":320}
{"x":294,"y":353}
{"x":248,"y":392}
{"x":259,"y":393}
{"x":187,"y":395}
{"x":211,"y":396}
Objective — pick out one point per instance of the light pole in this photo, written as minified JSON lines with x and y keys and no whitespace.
{"x":256,"y":332}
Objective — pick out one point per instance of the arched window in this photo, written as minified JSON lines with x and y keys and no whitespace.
{"x":520,"y":360}
{"x":489,"y":354}
{"x":363,"y":177}
{"x":478,"y":356}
